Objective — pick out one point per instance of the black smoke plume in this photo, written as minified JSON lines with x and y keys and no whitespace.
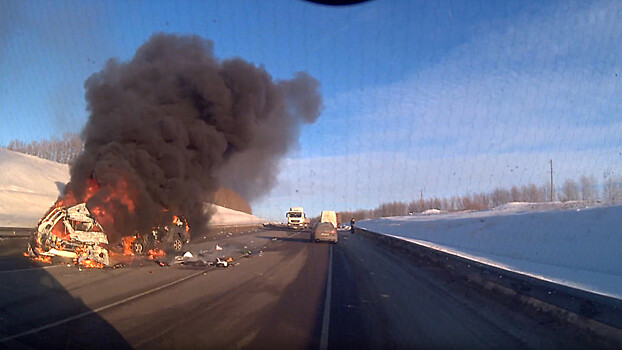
{"x":168,"y":125}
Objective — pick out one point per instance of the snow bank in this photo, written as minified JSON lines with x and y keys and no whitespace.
{"x":578,"y":247}
{"x":225,"y":216}
{"x":30,"y":185}
{"x":431,"y":212}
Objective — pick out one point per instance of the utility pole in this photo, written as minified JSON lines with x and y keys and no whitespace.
{"x":552,"y":196}
{"x":421,"y":201}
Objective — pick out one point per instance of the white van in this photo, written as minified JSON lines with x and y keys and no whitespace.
{"x":329,"y":216}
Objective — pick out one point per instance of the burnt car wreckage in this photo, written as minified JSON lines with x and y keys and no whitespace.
{"x":173,"y":236}
{"x":73,"y":233}
{"x":69,"y":233}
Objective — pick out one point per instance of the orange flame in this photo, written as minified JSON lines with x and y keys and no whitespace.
{"x":154,"y":253}
{"x":120,"y":192}
{"x":90,"y":264}
{"x":101,"y":210}
{"x":177,"y":220}
{"x":127,"y":245}
{"x":41,"y":258}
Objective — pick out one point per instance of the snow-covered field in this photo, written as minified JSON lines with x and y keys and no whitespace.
{"x":566,"y":243}
{"x":30,"y":185}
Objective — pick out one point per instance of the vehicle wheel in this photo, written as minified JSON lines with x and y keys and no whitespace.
{"x":139,"y":247}
{"x":177,"y":244}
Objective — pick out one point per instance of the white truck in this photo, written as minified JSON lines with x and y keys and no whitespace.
{"x":296,"y":218}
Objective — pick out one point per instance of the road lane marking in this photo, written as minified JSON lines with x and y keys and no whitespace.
{"x":123,"y":301}
{"x":102,"y":308}
{"x":326,"y":317}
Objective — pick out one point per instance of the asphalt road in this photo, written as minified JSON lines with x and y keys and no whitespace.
{"x":274,"y":299}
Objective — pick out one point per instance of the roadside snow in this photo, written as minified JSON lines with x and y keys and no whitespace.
{"x":431,"y":211}
{"x":30,"y":185}
{"x":226,"y":216}
{"x":578,"y":247}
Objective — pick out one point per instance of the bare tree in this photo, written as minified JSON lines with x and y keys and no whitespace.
{"x":570,"y":191}
{"x":515,"y":194}
{"x":612,"y":191}
{"x":545,"y":192}
{"x":530,"y":193}
{"x":588,"y":188}
{"x":61,"y":151}
{"x":500,"y":196}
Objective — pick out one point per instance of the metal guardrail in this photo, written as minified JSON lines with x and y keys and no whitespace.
{"x":16,"y":231}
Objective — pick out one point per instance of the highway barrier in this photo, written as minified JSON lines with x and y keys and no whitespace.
{"x":16,"y":231}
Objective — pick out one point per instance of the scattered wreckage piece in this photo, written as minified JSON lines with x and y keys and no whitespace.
{"x":197,"y":263}
{"x":161,"y":263}
{"x":225,"y":262}
{"x":188,"y":259}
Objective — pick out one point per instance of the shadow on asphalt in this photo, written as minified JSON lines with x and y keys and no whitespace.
{"x":33,"y":298}
{"x":272,"y":227}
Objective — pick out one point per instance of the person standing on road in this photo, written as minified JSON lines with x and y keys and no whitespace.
{"x":352,"y":225}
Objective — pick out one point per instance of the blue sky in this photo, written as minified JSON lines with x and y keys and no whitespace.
{"x":450,"y":97}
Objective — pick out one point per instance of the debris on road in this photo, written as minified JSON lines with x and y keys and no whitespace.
{"x":218,"y":247}
{"x":196,"y":263}
{"x":225,"y":262}
{"x":161,"y":263}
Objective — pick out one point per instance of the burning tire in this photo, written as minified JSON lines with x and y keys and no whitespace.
{"x":177,"y":243}
{"x":139,"y":246}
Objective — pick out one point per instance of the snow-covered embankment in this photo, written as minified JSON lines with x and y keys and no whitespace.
{"x":578,"y":247}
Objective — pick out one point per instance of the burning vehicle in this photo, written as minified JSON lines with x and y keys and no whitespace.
{"x":164,"y":132}
{"x":171,"y":236}
{"x":69,"y":233}
{"x":73,"y":233}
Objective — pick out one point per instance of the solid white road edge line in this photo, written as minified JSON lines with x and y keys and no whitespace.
{"x":326,"y":317}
